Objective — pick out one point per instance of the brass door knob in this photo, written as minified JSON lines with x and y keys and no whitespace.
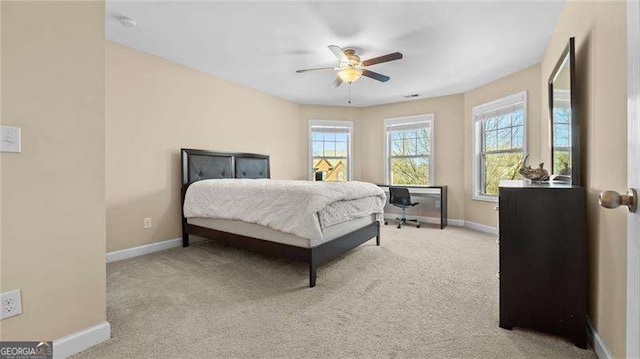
{"x":613,"y":199}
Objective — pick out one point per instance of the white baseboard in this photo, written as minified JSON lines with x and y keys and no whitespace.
{"x":81,"y":340}
{"x":142,"y":250}
{"x":432,"y":220}
{"x":450,"y":221}
{"x":481,"y":227}
{"x":455,"y":222}
{"x":602,"y":352}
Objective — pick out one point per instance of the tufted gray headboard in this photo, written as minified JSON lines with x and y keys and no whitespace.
{"x":201,"y":164}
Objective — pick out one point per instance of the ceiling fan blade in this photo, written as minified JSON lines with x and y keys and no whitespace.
{"x":337,"y":82}
{"x":337,"y":51}
{"x":316,"y":69}
{"x":375,"y":75}
{"x":381,"y":59}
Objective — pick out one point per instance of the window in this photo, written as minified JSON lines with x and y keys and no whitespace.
{"x":409,"y":148}
{"x":499,"y":143}
{"x":330,"y":149}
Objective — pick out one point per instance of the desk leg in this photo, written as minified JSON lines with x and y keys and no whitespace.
{"x":443,"y":207}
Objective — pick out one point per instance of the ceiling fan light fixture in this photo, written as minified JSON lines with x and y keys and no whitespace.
{"x":349,"y":75}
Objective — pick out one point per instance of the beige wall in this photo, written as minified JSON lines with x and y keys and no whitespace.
{"x":600,"y":32}
{"x":448,"y":135}
{"x":154,"y":108}
{"x":53,"y":193}
{"x":483,"y":212}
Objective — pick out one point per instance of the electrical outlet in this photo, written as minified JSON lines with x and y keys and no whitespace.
{"x":147,"y":223}
{"x":437,"y":203}
{"x":10,"y":138}
{"x":10,"y":304}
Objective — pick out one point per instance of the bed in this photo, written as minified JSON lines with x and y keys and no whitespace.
{"x":301,"y":244}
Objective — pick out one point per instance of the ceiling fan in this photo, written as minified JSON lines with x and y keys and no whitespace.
{"x":350,"y":67}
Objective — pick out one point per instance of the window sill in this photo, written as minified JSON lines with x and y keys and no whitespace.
{"x":485,"y":198}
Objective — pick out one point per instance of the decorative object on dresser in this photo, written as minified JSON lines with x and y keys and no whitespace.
{"x":543,"y":258}
{"x":533,"y":174}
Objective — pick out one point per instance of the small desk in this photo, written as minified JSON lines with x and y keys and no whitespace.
{"x":423,"y":191}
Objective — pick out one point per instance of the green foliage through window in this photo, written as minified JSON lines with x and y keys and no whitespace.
{"x":562,"y":139}
{"x":501,"y":154}
{"x":409,"y":157}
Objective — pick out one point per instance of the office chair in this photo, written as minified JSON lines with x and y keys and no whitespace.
{"x":400,"y":197}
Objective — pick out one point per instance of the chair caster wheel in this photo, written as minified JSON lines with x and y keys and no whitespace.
{"x":385,"y":223}
{"x":399,"y":226}
{"x":418,"y":225}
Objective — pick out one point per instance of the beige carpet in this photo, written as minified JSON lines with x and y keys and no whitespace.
{"x":425,"y":293}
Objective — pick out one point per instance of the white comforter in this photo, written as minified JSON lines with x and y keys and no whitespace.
{"x":287,"y":206}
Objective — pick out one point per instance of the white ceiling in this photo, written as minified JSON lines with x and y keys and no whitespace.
{"x":448,"y":47}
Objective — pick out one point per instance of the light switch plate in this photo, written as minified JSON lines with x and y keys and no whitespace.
{"x":10,"y":139}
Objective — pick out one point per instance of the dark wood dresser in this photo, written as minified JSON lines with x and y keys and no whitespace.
{"x":543,"y":259}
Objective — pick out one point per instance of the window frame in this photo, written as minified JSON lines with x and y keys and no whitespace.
{"x":476,"y":141}
{"x":427,"y":118}
{"x":313,"y":123}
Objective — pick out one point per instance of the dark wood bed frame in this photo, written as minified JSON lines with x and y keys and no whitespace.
{"x":201,"y":164}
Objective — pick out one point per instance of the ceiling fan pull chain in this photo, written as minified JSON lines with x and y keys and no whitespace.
{"x":349,"y":92}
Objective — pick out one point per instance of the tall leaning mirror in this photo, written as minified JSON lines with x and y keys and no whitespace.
{"x":565,"y":125}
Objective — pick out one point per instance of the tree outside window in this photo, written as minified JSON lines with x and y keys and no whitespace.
{"x":409,"y":157}
{"x":562,"y":139}
{"x":409,"y":150}
{"x":502,"y":149}
{"x":499,"y":141}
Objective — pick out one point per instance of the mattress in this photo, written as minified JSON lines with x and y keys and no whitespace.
{"x":301,"y":208}
{"x":268,"y":234}
{"x":344,"y":211}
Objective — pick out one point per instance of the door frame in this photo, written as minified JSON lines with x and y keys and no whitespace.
{"x":633,"y":165}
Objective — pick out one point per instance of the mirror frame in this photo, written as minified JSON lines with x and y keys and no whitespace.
{"x":569,"y":51}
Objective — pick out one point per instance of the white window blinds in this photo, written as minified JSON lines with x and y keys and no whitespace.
{"x":501,"y":107}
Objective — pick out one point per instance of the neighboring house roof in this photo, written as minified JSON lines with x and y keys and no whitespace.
{"x":323,"y":165}
{"x":332,"y":174}
{"x":332,"y":171}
